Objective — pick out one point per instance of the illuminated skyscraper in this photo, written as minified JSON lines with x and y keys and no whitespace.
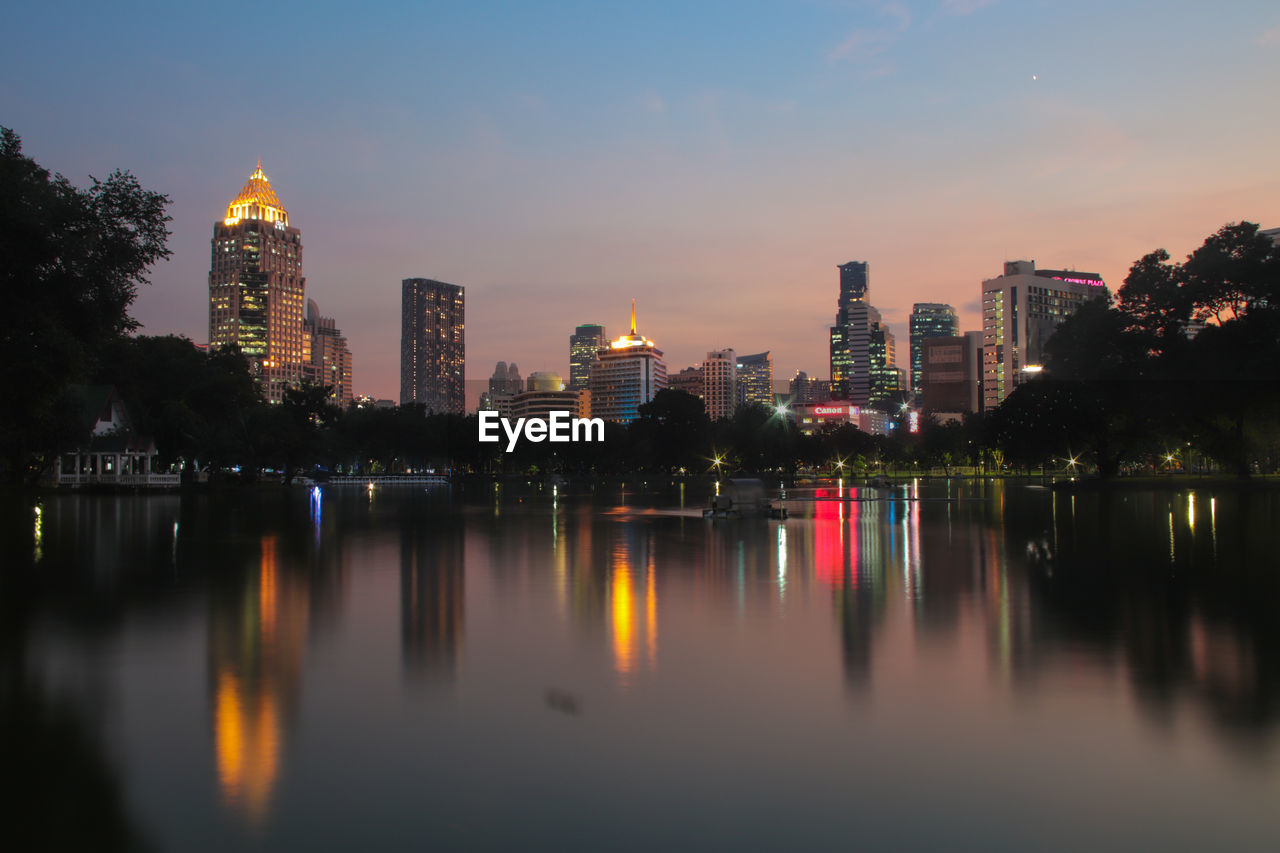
{"x":851,"y":335}
{"x":929,"y":320}
{"x":583,"y":344}
{"x":755,"y":379}
{"x":626,"y":374}
{"x":432,"y":345}
{"x":256,"y":287}
{"x":882,"y":355}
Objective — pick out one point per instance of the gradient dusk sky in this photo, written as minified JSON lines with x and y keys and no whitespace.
{"x":714,"y":160}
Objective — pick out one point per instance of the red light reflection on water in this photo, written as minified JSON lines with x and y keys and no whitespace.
{"x":835,"y":538}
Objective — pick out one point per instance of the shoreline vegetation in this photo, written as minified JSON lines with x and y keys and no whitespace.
{"x":1179,"y":373}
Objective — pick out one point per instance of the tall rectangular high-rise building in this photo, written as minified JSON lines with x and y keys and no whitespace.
{"x":432,"y":345}
{"x":882,"y":354}
{"x":973,"y":342}
{"x":256,"y":287}
{"x":720,"y":383}
{"x":851,"y":335}
{"x":755,"y":379}
{"x":950,"y":375}
{"x":585,"y":341}
{"x":929,"y":320}
{"x":1020,"y":311}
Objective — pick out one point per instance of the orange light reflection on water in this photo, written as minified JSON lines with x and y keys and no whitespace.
{"x":247,"y":745}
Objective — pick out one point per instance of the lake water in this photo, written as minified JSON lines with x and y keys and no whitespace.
{"x":948,"y":665}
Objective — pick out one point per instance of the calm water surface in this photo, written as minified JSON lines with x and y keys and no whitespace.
{"x":985,"y":666}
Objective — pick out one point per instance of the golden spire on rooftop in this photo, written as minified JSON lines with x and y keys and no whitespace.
{"x":257,"y":200}
{"x":634,"y":339}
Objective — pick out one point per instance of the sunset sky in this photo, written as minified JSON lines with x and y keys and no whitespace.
{"x":714,"y":160}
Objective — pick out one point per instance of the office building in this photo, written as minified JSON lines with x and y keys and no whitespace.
{"x":688,"y":380}
{"x":755,"y":379}
{"x":626,"y":374}
{"x":806,"y":390}
{"x":973,"y":341}
{"x":256,"y":287}
{"x":585,"y":341}
{"x":929,"y":320}
{"x":1020,"y":311}
{"x":331,"y":363}
{"x":720,"y":383}
{"x":432,"y":345}
{"x":949,"y":380}
{"x":885,"y":377}
{"x":851,"y":335}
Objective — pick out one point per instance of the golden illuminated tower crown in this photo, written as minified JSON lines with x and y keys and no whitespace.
{"x":257,"y":200}
{"x":256,"y":287}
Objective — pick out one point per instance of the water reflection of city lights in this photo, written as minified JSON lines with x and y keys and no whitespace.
{"x":39,"y":533}
{"x":1191,"y":510}
{"x":247,"y":745}
{"x":651,"y":615}
{"x":315,"y":511}
{"x":782,"y":560}
{"x":1213,"y":525}
{"x":624,"y":628}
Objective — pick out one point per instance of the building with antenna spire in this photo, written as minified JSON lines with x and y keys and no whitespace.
{"x":627,"y":373}
{"x":256,"y":288}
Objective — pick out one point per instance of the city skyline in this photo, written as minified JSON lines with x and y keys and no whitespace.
{"x":765,"y":146}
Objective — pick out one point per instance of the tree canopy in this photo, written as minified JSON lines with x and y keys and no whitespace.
{"x":71,"y":262}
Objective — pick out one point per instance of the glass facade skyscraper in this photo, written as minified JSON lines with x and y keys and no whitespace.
{"x":883,"y":357}
{"x":851,"y":335}
{"x":432,"y":345}
{"x":755,"y":379}
{"x":585,"y":341}
{"x":929,"y":320}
